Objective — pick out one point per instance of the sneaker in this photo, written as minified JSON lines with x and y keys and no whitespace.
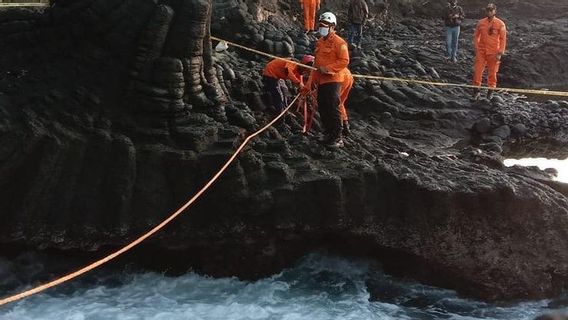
{"x":346,"y":128}
{"x":336,"y":143}
{"x":455,"y":60}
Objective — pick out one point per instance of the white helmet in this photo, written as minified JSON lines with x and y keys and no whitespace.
{"x":328,"y":17}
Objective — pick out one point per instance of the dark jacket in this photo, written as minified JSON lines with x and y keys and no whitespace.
{"x":358,"y":11}
{"x":450,"y":12}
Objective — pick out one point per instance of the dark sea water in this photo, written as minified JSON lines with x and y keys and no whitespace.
{"x":318,"y":287}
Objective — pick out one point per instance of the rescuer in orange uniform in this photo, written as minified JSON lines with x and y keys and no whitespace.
{"x":489,"y":40}
{"x":310,"y":7}
{"x":279,"y":69}
{"x":331,"y":61}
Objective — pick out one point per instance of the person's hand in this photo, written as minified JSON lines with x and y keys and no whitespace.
{"x":499,"y":55}
{"x":324,"y":70}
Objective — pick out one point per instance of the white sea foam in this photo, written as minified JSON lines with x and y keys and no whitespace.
{"x":319,"y":287}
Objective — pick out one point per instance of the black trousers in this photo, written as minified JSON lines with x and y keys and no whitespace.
{"x":276,"y":91}
{"x":328,"y":106}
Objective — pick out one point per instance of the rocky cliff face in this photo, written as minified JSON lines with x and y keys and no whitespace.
{"x":114,"y":112}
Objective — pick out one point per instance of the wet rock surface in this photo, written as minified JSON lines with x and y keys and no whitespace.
{"x":115,"y":112}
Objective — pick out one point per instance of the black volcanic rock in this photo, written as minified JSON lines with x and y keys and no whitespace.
{"x":114,"y":112}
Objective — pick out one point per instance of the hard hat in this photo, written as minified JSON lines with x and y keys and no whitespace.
{"x":308,"y":59}
{"x":328,"y":17}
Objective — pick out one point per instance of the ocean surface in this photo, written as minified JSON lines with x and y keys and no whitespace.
{"x":317,"y":287}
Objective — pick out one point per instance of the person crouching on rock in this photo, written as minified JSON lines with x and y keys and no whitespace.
{"x":489,"y":40}
{"x":274,"y":75}
{"x":331,"y":61}
{"x":453,"y":19}
{"x":310,"y":8}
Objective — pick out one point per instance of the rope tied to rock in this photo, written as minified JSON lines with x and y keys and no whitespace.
{"x":394,"y":79}
{"x":154,"y":230}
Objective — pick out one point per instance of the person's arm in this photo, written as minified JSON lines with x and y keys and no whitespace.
{"x":477,"y":36}
{"x":366,"y":11}
{"x":502,"y":39}
{"x":462,"y":14}
{"x":291,"y":71}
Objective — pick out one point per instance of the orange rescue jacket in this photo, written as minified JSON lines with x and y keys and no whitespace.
{"x":490,"y":37}
{"x":331,"y":53}
{"x":282,"y":69}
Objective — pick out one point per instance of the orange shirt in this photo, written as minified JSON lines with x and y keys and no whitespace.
{"x":333,"y":54}
{"x":490,"y":36}
{"x":282,"y":69}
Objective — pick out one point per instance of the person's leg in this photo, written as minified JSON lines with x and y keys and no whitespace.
{"x":479,"y":67}
{"x":328,"y":106}
{"x":455,"y":43}
{"x":307,"y":18}
{"x":274,"y":92}
{"x":492,"y":69}
{"x":310,"y":7}
{"x":449,"y":42}
{"x":359,"y":34}
{"x":345,"y":89}
{"x":351,"y":34}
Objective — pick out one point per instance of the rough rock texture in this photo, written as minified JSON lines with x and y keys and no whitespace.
{"x":114,"y":112}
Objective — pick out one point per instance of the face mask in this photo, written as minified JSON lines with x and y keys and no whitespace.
{"x":323,"y":31}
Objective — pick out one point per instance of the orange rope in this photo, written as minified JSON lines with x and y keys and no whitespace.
{"x":134,"y":243}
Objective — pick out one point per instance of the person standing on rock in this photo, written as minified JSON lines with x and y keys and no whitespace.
{"x":331,"y":61}
{"x":310,"y":8}
{"x":453,"y":20}
{"x":274,"y":75}
{"x":489,"y":41}
{"x":357,"y":14}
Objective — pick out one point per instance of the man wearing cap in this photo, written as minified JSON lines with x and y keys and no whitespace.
{"x":490,"y":41}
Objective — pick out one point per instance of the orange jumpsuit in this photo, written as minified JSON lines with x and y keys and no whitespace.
{"x":310,"y":8}
{"x":345,"y":88}
{"x":489,"y":40}
{"x":333,"y":88}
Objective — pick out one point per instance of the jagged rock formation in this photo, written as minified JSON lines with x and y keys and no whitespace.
{"x":113,"y":112}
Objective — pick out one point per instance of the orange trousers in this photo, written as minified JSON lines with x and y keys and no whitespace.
{"x":483,"y":60}
{"x":310,"y":8}
{"x":345,"y":88}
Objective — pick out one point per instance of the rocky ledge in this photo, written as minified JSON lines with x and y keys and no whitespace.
{"x":114,"y":112}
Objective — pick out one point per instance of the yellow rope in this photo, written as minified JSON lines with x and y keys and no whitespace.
{"x":157,"y":228}
{"x":439,"y":84}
